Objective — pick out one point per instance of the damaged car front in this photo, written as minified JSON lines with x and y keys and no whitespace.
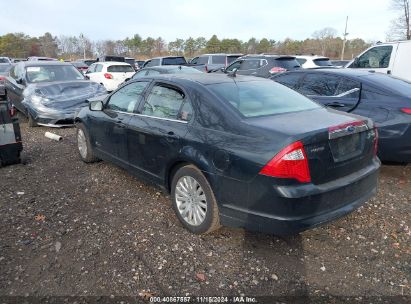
{"x":56,"y":104}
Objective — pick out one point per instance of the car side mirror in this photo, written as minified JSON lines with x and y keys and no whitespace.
{"x":19,"y":80}
{"x":96,"y":105}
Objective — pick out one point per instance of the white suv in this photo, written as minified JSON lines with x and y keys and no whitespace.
{"x":110,"y":74}
{"x":312,"y":62}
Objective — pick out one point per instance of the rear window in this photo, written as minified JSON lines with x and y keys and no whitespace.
{"x":174,"y":61}
{"x":262,"y":98}
{"x":185,"y":70}
{"x":218,"y":59}
{"x":400,"y":86}
{"x":120,"y":69}
{"x":323,"y":62}
{"x":287,"y":63}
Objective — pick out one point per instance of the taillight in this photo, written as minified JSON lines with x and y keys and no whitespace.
{"x":406,"y":110}
{"x":108,"y":76}
{"x":206,"y":69}
{"x":291,"y":162}
{"x":277,"y":70}
{"x":375,"y":141}
{"x":2,"y":78}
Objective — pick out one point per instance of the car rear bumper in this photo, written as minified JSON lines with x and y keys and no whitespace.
{"x":285,"y":210}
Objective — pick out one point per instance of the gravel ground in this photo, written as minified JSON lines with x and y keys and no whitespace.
{"x":68,"y":228}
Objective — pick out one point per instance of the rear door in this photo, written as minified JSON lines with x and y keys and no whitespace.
{"x":16,"y":84}
{"x":157,"y":131}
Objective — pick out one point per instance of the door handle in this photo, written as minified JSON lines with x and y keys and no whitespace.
{"x":120,"y":124}
{"x":336,"y":105}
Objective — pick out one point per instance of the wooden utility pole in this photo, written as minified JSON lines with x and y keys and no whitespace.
{"x":345,"y":39}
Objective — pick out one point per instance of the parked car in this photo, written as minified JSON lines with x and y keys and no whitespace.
{"x":49,"y":92}
{"x":262,"y":65}
{"x":169,"y":60}
{"x":81,"y":66}
{"x":211,"y":62}
{"x":388,"y":58}
{"x":165,"y":69}
{"x":87,"y":62}
{"x":132,"y":62}
{"x":385,"y":99}
{"x":339,"y":63}
{"x":5,"y":60}
{"x":140,"y":64}
{"x":36,"y":58}
{"x":4,"y":71}
{"x":235,"y":150}
{"x":111,"y":58}
{"x":311,"y":62}
{"x":110,"y":74}
{"x":10,"y":137}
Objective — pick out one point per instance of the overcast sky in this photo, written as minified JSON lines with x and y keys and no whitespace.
{"x":170,"y":19}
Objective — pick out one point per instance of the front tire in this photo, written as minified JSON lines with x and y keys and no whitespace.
{"x":84,"y":147}
{"x":193,"y":201}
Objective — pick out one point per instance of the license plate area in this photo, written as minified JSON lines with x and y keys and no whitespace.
{"x":347,"y":147}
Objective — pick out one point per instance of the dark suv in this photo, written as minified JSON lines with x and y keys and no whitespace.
{"x":169,"y":60}
{"x":262,"y":65}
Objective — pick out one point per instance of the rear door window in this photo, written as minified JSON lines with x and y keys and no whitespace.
{"x":233,"y":66}
{"x":126,"y":98}
{"x":164,"y":102}
{"x":348,"y":88}
{"x":250,"y":64}
{"x":319,"y":85}
{"x":218,"y":59}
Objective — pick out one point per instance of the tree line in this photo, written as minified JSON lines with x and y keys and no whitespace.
{"x":324,"y":42}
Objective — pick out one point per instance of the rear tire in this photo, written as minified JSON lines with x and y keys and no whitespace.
{"x":193,"y":201}
{"x":84,"y":147}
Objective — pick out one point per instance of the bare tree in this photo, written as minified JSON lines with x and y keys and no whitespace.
{"x":400,"y":27}
{"x":325,"y":38}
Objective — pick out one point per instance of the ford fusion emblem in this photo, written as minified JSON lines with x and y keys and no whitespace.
{"x":350,"y":129}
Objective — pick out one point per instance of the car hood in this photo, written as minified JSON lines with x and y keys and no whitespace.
{"x":63,"y":95}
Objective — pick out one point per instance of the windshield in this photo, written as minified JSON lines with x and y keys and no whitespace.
{"x":47,"y":73}
{"x":174,"y":61}
{"x":120,"y":69}
{"x":323,"y":62}
{"x":261,"y":98}
{"x":287,"y":63}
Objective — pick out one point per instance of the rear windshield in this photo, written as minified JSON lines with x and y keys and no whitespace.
{"x":231,"y":58}
{"x":112,"y":58}
{"x":218,"y":59}
{"x":262,"y":98}
{"x":5,"y":68}
{"x":174,"y":61}
{"x":47,"y":73}
{"x":323,"y":62}
{"x":400,"y":86}
{"x":120,"y":69}
{"x":287,"y":63}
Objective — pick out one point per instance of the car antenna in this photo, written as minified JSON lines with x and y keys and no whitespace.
{"x":233,"y":73}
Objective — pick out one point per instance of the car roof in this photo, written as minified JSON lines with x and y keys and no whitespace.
{"x":264,"y":56}
{"x":166,"y":57}
{"x":341,"y":72}
{"x":167,"y":67}
{"x":311,"y":57}
{"x":108,"y":63}
{"x":40,"y":63}
{"x":206,"y":78}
